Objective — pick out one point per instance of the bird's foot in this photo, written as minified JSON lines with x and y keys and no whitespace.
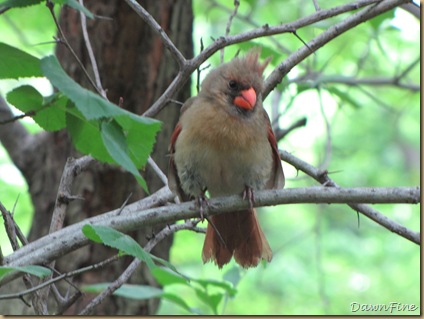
{"x":250,"y":195}
{"x":202,"y":203}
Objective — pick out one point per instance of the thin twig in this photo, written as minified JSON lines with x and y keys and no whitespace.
{"x":328,"y":144}
{"x":91,"y":53}
{"x":295,"y":58}
{"x":64,"y":40}
{"x":334,"y":31}
{"x":123,"y":278}
{"x":17,"y":117}
{"x":158,"y":29}
{"x":157,"y":170}
{"x":228,"y":28}
{"x":322,"y":177}
{"x":58,"y":278}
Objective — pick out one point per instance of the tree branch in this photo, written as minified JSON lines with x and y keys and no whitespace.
{"x":372,"y":81}
{"x":159,"y":31}
{"x":334,"y":31}
{"x":70,"y":238}
{"x":191,"y":65}
{"x":322,"y":177}
{"x":123,"y":278}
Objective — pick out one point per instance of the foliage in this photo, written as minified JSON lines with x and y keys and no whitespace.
{"x":209,"y":292}
{"x":97,"y":127}
{"x":363,"y":133}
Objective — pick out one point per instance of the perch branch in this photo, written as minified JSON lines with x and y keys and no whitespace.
{"x":322,"y":177}
{"x":131,"y":218}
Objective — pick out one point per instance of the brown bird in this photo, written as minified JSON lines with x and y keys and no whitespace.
{"x":224,"y":144}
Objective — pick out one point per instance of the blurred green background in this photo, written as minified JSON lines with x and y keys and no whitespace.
{"x":365,"y":135}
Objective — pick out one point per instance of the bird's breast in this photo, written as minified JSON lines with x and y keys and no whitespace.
{"x":222,"y":154}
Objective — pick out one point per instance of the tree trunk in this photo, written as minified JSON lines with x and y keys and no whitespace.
{"x":133,"y":64}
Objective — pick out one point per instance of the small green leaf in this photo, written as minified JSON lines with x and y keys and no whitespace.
{"x":15,"y":63}
{"x":219,"y":284}
{"x":344,"y":97}
{"x":166,"y":278}
{"x":91,"y":105}
{"x":140,"y":135}
{"x":86,"y":136}
{"x":25,"y":98}
{"x":138,"y":292}
{"x":49,"y":113}
{"x":233,"y":276}
{"x":170,"y":266}
{"x":76,"y":5}
{"x":211,"y":300}
{"x":18,"y":3}
{"x":30,"y":269}
{"x":91,"y":234}
{"x":180,"y":302}
{"x":378,"y":20}
{"x":116,"y":145}
{"x":113,"y":238}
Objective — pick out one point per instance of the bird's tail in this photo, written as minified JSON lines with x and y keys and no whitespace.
{"x":237,"y":234}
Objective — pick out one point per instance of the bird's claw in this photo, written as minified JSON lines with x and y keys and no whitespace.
{"x":250,"y":195}
{"x":201,"y":202}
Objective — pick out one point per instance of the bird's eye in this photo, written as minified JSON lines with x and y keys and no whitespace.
{"x":232,"y":84}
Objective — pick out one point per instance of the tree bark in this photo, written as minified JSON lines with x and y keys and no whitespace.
{"x":133,"y":64}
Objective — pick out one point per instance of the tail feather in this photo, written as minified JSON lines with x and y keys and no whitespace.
{"x":240,"y":235}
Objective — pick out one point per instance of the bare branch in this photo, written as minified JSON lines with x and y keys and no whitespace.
{"x":322,"y":177}
{"x":228,"y":28}
{"x":63,"y":40}
{"x":317,"y":79}
{"x":191,"y":65}
{"x":72,"y":168}
{"x":334,"y":31}
{"x":58,"y":278}
{"x":91,"y":53}
{"x":158,"y":29}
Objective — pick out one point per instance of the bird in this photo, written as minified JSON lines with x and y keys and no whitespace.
{"x":223,"y":144}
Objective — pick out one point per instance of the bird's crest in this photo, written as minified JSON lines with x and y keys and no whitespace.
{"x":252,"y":60}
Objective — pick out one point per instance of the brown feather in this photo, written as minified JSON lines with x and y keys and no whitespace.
{"x":242,"y":237}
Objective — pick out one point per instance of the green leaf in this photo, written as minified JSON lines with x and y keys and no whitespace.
{"x":170,"y":266}
{"x":26,"y":98}
{"x":127,"y":141}
{"x":180,"y":302}
{"x":49,"y":113}
{"x":18,"y":3}
{"x":344,"y":97}
{"x":116,"y":145}
{"x":140,"y":134}
{"x":219,"y":284}
{"x":86,"y":136}
{"x":113,"y":238}
{"x":15,"y":63}
{"x":76,"y":5}
{"x":30,"y":269}
{"x":233,"y":276}
{"x":138,"y":292}
{"x":166,"y":278}
{"x":211,"y":300}
{"x":91,"y":105}
{"x":377,"y":22}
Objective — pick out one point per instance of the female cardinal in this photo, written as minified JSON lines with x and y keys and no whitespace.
{"x":224,"y":144}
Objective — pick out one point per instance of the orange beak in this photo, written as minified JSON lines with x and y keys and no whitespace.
{"x":246,"y":100}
